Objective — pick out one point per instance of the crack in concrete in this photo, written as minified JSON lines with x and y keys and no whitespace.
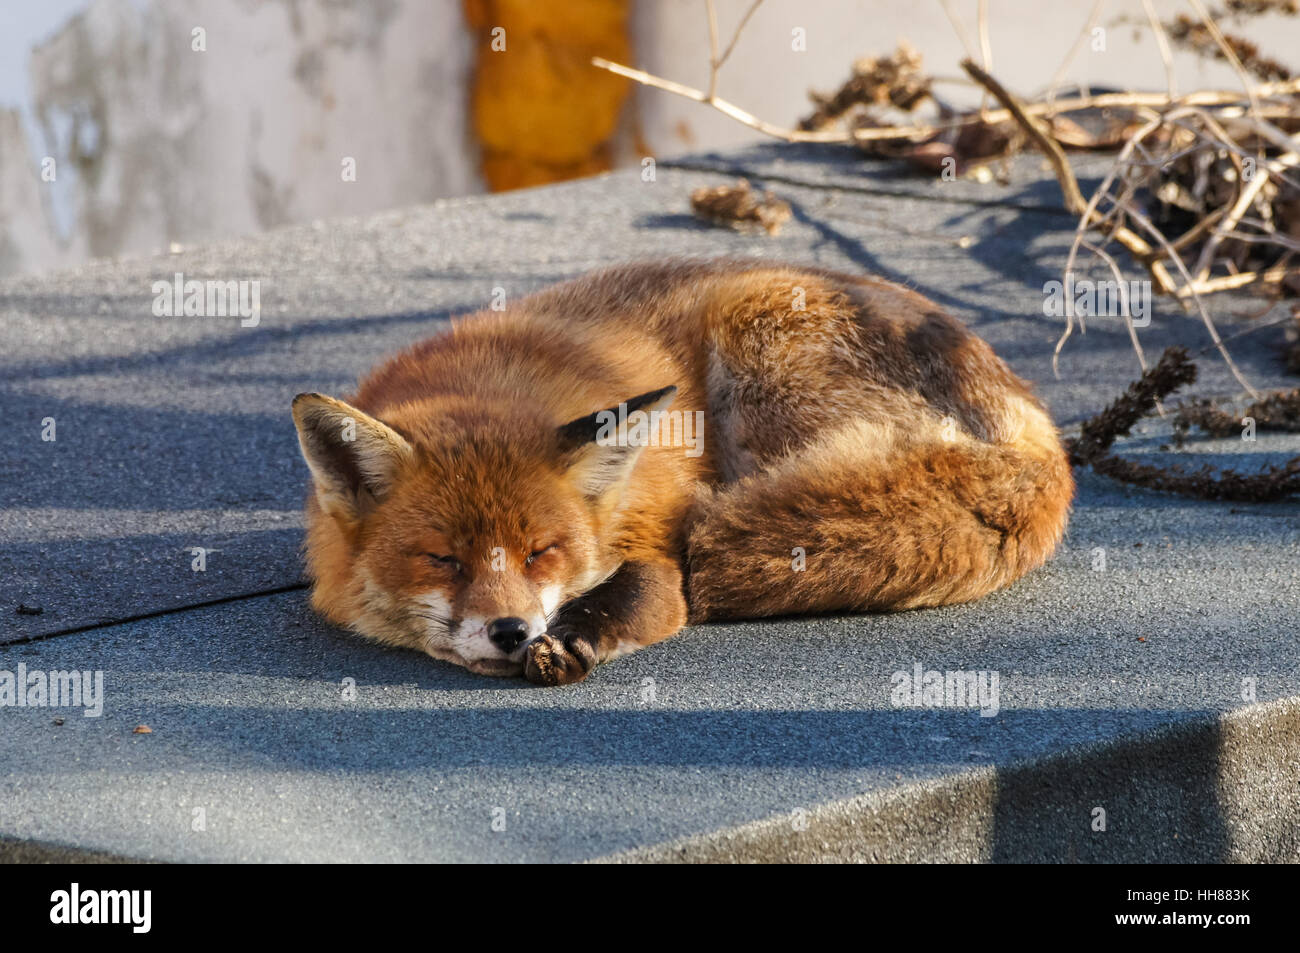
{"x":154,"y":614}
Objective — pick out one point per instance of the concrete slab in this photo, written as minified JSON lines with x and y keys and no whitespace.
{"x":173,"y":433}
{"x":724,"y":725}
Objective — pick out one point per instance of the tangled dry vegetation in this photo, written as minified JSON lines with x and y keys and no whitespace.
{"x":1175,"y":370}
{"x":1203,"y":193}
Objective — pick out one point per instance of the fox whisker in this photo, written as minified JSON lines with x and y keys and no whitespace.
{"x":432,"y":617}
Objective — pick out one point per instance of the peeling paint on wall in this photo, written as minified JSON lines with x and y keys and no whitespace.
{"x":158,"y":142}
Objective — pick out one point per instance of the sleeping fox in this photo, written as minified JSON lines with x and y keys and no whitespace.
{"x":538,"y":490}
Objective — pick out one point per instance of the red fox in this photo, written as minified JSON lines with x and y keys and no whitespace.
{"x":544,"y":488}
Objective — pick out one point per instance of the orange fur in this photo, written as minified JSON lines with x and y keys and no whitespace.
{"x":861,"y":450}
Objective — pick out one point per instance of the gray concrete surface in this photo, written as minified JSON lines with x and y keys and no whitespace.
{"x":1121,"y":685}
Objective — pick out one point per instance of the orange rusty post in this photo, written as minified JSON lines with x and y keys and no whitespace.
{"x":541,"y":112}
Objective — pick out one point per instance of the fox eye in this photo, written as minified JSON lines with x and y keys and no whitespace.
{"x":538,"y":552}
{"x":451,"y":562}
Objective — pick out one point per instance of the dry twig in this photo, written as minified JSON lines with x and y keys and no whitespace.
{"x":1172,"y":371}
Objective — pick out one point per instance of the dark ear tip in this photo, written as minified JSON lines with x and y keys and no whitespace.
{"x":307,"y":396}
{"x":653,"y":397}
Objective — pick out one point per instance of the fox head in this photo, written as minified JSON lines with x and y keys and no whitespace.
{"x":459,"y":530}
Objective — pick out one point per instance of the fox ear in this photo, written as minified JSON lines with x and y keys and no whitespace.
{"x":601,"y":448}
{"x":352,"y":456}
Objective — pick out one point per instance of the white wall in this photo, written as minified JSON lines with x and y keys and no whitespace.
{"x":156,"y":143}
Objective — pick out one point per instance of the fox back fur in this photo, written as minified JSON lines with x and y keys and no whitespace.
{"x":541,"y":489}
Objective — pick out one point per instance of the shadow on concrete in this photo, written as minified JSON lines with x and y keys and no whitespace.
{"x":347,"y":742}
{"x":1151,"y":800}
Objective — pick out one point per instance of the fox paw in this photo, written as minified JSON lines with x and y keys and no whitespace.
{"x":558,"y":661}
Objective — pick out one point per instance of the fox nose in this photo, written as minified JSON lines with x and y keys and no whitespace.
{"x":507,"y":633}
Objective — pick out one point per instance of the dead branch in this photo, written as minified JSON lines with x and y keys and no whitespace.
{"x":1269,"y":485}
{"x":1278,"y":413}
{"x":1038,"y":132}
{"x":1174,"y":370}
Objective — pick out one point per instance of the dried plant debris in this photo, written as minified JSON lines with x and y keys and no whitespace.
{"x":1204,"y":192}
{"x":1291,"y":347}
{"x":895,"y":80}
{"x":1269,"y":485}
{"x":1202,"y":184}
{"x":1253,"y":8}
{"x":1174,"y":370}
{"x":968,"y":149}
{"x":1207,"y":200}
{"x":1279,"y":413}
{"x":885,"y":90}
{"x":739,"y":206}
{"x":1191,"y":33}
